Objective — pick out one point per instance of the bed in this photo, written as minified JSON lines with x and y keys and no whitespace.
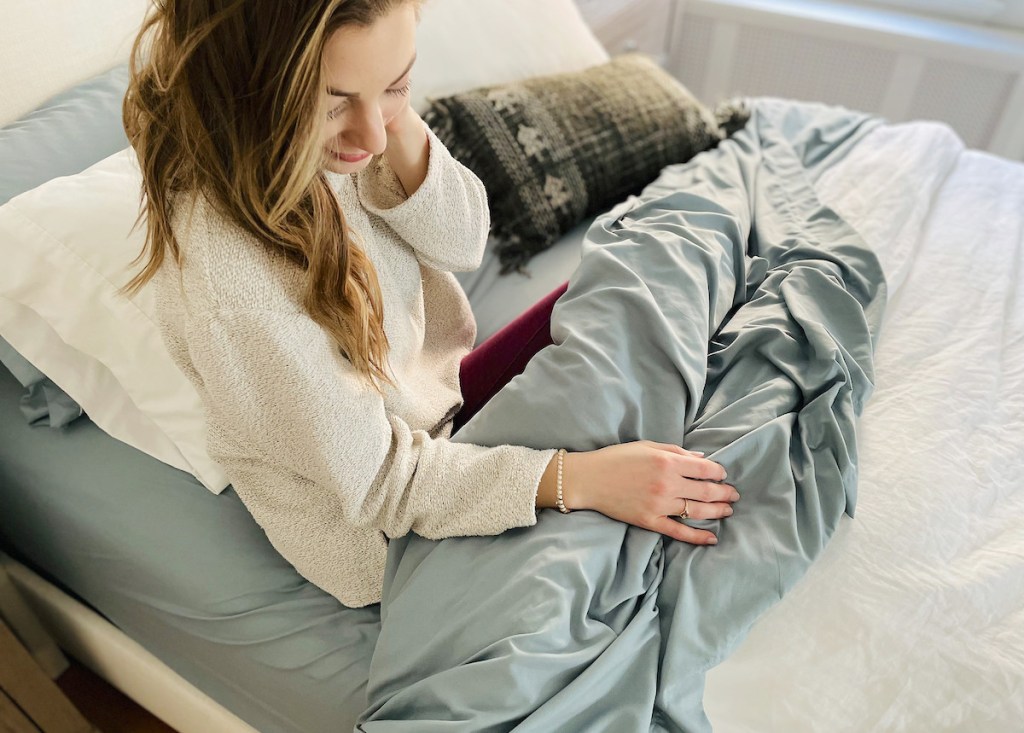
{"x":910,"y":617}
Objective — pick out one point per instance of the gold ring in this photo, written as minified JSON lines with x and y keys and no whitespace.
{"x":685,"y":514}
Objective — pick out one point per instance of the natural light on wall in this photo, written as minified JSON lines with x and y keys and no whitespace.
{"x":999,"y":13}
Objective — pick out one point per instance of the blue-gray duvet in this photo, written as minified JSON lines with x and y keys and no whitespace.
{"x":724,"y":309}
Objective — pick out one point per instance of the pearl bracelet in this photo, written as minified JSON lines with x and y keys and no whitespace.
{"x":558,"y":501}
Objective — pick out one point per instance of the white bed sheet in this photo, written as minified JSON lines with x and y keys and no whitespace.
{"x":913,"y":619}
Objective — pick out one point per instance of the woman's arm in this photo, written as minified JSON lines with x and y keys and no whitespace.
{"x":408,"y":149}
{"x":283,"y":402}
{"x":446,"y":219}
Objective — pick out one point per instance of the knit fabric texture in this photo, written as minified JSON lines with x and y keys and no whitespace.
{"x":328,"y":467}
{"x":553,"y":150}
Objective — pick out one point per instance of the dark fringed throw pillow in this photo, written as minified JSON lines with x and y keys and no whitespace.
{"x":553,"y":150}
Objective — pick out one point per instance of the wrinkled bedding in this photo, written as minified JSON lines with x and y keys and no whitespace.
{"x":725,"y":309}
{"x":913,"y":618}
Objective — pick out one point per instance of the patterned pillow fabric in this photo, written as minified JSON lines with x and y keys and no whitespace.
{"x":552,"y":150}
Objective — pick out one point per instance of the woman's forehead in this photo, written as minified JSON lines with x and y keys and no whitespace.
{"x":360,"y":59}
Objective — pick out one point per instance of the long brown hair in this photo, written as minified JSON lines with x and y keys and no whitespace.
{"x":225,"y":97}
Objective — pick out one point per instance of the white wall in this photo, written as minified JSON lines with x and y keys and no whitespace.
{"x":47,"y":46}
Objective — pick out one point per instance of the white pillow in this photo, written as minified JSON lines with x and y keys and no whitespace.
{"x":67,"y":249}
{"x":464,"y":44}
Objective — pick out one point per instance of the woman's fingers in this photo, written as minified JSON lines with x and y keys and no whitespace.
{"x":672,"y":448}
{"x":705,"y":491}
{"x":691,"y":464}
{"x":683,"y":532}
{"x":699,"y":509}
{"x":695,"y":483}
{"x":700,"y":468}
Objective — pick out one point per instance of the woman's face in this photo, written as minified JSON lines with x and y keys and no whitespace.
{"x":368,"y":73}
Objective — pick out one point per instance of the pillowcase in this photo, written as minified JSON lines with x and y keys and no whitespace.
{"x":44,"y":402}
{"x":554,"y":150}
{"x":66,"y":135}
{"x":464,"y":44}
{"x":67,"y":246}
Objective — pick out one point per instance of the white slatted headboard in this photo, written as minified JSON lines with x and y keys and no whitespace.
{"x":901,"y":66}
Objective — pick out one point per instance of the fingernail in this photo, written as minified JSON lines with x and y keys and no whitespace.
{"x":728,"y":512}
{"x":735,"y":496}
{"x":698,"y":453}
{"x":713,"y":541}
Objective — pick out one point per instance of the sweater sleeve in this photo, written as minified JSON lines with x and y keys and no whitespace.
{"x":446,"y":220}
{"x":280,"y":394}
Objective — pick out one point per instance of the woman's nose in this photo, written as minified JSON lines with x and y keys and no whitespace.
{"x":367,"y":132}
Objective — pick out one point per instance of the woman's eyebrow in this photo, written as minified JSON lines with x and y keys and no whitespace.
{"x":338,"y":93}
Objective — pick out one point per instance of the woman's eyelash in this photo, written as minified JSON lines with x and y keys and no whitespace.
{"x":403,"y":91}
{"x":397,"y":92}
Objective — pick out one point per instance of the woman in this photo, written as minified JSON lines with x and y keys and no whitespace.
{"x":303,"y":224}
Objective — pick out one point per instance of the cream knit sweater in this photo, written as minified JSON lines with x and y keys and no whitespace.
{"x":327,"y":467}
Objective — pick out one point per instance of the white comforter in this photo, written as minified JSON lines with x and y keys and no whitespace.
{"x":913,"y":619}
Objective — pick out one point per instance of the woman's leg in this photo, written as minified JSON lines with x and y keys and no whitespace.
{"x":492,"y":364}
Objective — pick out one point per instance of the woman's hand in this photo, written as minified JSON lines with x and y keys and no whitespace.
{"x":402,"y":122}
{"x":408,"y":148}
{"x":645,"y":484}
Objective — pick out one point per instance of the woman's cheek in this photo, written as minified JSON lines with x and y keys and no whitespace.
{"x":331,"y":130}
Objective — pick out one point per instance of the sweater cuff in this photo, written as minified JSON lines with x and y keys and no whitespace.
{"x":531,"y":469}
{"x":517,"y":506}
